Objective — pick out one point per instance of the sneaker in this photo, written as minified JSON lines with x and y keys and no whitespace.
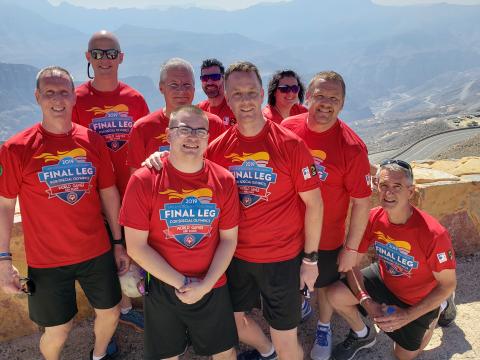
{"x":112,"y":350}
{"x":255,"y":355}
{"x":322,"y":347}
{"x":134,"y":319}
{"x":353,"y":344}
{"x":306,"y":310}
{"x":448,"y":315}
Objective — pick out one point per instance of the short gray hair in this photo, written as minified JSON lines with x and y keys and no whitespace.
{"x":175,"y":63}
{"x":53,"y":71}
{"x":397,"y":168}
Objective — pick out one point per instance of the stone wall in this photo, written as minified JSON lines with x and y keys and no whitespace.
{"x":447,"y":189}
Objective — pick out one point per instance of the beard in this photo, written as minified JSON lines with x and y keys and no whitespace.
{"x":212,"y":91}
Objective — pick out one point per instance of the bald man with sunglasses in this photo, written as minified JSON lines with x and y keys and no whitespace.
{"x":110,"y":108}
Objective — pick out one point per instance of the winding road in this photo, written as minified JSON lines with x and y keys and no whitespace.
{"x":427,"y":147}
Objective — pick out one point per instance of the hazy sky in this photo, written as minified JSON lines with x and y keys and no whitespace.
{"x":226,"y":4}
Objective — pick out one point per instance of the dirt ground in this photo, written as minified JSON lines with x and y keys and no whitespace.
{"x":460,"y":340}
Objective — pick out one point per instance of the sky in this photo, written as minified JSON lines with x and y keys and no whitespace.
{"x":225,"y":4}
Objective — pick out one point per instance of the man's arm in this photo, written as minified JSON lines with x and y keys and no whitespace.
{"x":9,"y":277}
{"x":358,"y":222}
{"x":193,"y":292}
{"x":313,"y":229}
{"x":111,"y":206}
{"x":149,"y":259}
{"x":446,"y":283}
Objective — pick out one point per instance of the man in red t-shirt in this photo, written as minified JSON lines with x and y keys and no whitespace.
{"x":342,"y":165}
{"x":63,"y":177}
{"x":415,"y":272}
{"x":281,"y":218}
{"x":212,"y":75}
{"x":181,"y":226}
{"x":148,"y":135}
{"x":110,"y":108}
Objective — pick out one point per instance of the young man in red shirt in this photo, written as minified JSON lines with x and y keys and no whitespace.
{"x":342,"y":165}
{"x":109,"y":107}
{"x":181,"y":226}
{"x":415,"y":272}
{"x":148,"y":135}
{"x":63,"y":177}
{"x":212,"y":75}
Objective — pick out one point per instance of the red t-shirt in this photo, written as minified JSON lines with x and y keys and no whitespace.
{"x":270,"y":168}
{"x":270,"y":113}
{"x":148,"y":135}
{"x":57,"y":179}
{"x":223,"y":111}
{"x":182,"y":213}
{"x":111,"y":114}
{"x":342,"y":164}
{"x":408,"y":254}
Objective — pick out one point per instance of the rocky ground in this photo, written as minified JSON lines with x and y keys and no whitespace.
{"x":471,"y":147}
{"x":459,"y":341}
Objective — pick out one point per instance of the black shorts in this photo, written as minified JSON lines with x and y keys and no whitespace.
{"x":327,"y":267}
{"x":272,"y":286}
{"x":54,"y":300}
{"x":411,"y":335}
{"x":170,"y":325}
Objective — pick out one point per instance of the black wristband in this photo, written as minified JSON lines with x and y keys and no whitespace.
{"x":120,"y":241}
{"x":312,"y":256}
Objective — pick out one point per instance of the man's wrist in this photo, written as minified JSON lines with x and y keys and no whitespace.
{"x":310,"y":257}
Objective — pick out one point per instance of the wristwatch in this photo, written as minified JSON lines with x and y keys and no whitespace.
{"x":312,"y":256}
{"x":120,"y":241}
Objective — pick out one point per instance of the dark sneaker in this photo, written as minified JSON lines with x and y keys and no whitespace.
{"x":112,"y":351}
{"x":255,"y":355}
{"x":322,"y":346}
{"x":133,"y":319}
{"x":353,"y":344}
{"x":448,"y":315}
{"x":306,"y":310}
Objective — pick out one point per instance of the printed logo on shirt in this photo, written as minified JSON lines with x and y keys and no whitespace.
{"x":309,"y":171}
{"x":69,"y":179}
{"x":318,"y":157}
{"x":228,"y":121}
{"x":394,"y":254}
{"x":442,"y":257}
{"x":114,"y":126}
{"x":163,"y":139}
{"x":190,"y":220}
{"x":253,"y":177}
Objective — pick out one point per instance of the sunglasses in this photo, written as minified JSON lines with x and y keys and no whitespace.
{"x":98,"y":54}
{"x":187,"y":131}
{"x":289,"y":88}
{"x":27,"y":286}
{"x":213,"y":77}
{"x":400,"y":163}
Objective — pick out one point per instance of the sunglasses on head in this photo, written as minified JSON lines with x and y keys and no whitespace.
{"x":213,"y":77}
{"x":400,"y":163}
{"x":288,"y":88}
{"x":98,"y":54}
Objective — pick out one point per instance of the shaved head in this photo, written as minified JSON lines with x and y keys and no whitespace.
{"x":101,"y":37}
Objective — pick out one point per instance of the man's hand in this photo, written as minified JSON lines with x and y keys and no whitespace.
{"x":193,"y":292}
{"x":155,"y":160}
{"x":9,"y":278}
{"x":346,"y":260}
{"x":308,"y":276}
{"x":121,"y":259}
{"x":372,"y":308}
{"x":395,"y":320}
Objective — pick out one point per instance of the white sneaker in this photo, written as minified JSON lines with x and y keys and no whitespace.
{"x":322,"y":347}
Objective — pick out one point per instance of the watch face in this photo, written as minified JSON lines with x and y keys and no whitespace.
{"x":313,"y":256}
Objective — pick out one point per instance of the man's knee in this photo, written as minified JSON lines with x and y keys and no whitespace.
{"x":285,"y":342}
{"x":59,"y":333}
{"x":111,"y":314}
{"x":338,"y":294}
{"x":225,"y":355}
{"x":404,"y":354}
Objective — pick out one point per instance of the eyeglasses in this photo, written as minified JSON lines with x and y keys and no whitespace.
{"x":213,"y":77}
{"x":288,"y":88}
{"x":187,"y":131}
{"x":98,"y":54}
{"x":400,"y":163}
{"x":27,"y":286}
{"x":178,"y":87}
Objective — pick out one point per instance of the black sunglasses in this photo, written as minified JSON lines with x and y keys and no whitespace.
{"x":98,"y":54}
{"x":400,"y":163}
{"x":213,"y":77}
{"x":289,"y":88}
{"x":27,"y":286}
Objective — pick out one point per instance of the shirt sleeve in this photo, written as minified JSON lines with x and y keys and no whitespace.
{"x":216,"y":127}
{"x":136,"y":148}
{"x":10,"y":172}
{"x":303,"y":170}
{"x":367,"y":235}
{"x":440,"y":254}
{"x":136,"y":208}
{"x":230,"y":211}
{"x":144,"y":109}
{"x":105,"y":174}
{"x":357,"y":179}
{"x":75,"y":115}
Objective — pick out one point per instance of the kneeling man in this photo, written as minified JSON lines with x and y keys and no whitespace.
{"x":414,"y":274}
{"x":181,"y":227}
